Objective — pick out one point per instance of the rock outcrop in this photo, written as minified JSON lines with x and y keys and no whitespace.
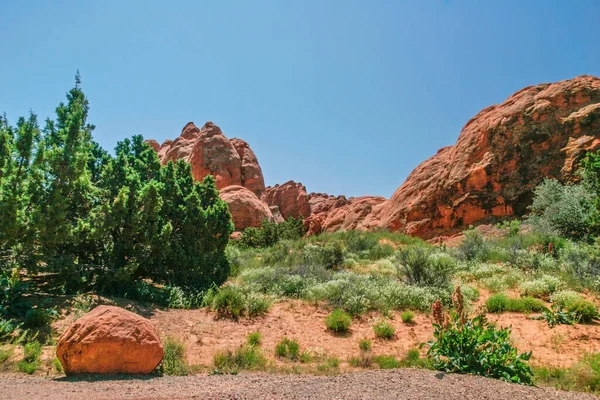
{"x":500,"y":156}
{"x":251,"y":174}
{"x":246,"y":209}
{"x":110,"y":340}
{"x":290,"y":198}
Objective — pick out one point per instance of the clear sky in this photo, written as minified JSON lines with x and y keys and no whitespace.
{"x":344,"y":96}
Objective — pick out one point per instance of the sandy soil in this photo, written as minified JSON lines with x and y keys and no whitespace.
{"x":204,"y":335}
{"x":391,"y":384}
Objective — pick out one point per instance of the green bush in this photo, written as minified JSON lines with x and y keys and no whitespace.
{"x":384,"y":330}
{"x":585,"y":310}
{"x":254,"y":338}
{"x":543,"y":286}
{"x":271,"y":233}
{"x":31,"y":355}
{"x":582,"y":376}
{"x":473,"y":246}
{"x":40,"y":317}
{"x":566,"y":210}
{"x":407,"y":317}
{"x":244,"y":358}
{"x":387,"y":362}
{"x":229,"y":303}
{"x":288,"y":348}
{"x":330,"y":256}
{"x":419,"y":267}
{"x":364,"y":344}
{"x":256,"y":305}
{"x":465,"y":345}
{"x":173,"y":362}
{"x":499,"y":303}
{"x":338,"y":321}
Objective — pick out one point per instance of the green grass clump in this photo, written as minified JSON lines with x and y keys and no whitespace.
{"x":329,"y":367}
{"x":499,"y":303}
{"x":387,"y":362}
{"x":338,"y":321}
{"x":6,"y":353}
{"x":254,"y":338}
{"x":364,"y":345}
{"x":228,"y":302}
{"x":583,"y":376}
{"x":288,"y":348}
{"x":173,"y":362}
{"x":31,"y":356}
{"x":407,"y":317}
{"x":384,"y":330}
{"x":244,"y":358}
{"x":57,"y":365}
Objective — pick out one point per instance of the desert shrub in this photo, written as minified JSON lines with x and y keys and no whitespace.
{"x":387,"y":362}
{"x":229,"y":303}
{"x":243,"y":358}
{"x":12,"y":289}
{"x":256,"y":304}
{"x":566,"y":210}
{"x":338,"y":321}
{"x":583,"y":310}
{"x":40,"y":317}
{"x":254,"y":339}
{"x":557,"y":315}
{"x":8,"y":330}
{"x":271,"y":233}
{"x":419,"y":267}
{"x":499,"y":303}
{"x":331,"y":255}
{"x":512,"y":227}
{"x":288,"y":348}
{"x":58,"y":368}
{"x":173,"y":362}
{"x":582,"y":376}
{"x":543,"y":286}
{"x":31,"y":356}
{"x":364,"y":344}
{"x":473,"y":246}
{"x":384,"y":330}
{"x":581,"y":261}
{"x":366,"y":357}
{"x":472,"y":345}
{"x":407,"y":317}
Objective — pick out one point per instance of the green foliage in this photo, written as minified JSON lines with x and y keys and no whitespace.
{"x":384,"y":330}
{"x":499,"y":303}
{"x":473,"y":246}
{"x":229,"y":303}
{"x":387,"y":362}
{"x":243,"y":358}
{"x":472,"y":345}
{"x":543,"y":286}
{"x":338,"y":321}
{"x":422,"y":268}
{"x":173,"y":362}
{"x":364,"y":345}
{"x":288,"y":348}
{"x":582,"y":376}
{"x":407,"y":316}
{"x":254,"y":339}
{"x":31,"y":355}
{"x":557,"y":315}
{"x":88,"y":220}
{"x":566,"y":210}
{"x":271,"y":233}
{"x":57,"y":366}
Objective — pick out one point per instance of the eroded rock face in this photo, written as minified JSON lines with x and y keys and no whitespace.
{"x":500,"y":156}
{"x":251,"y":174}
{"x":110,"y":340}
{"x":231,"y":162}
{"x":290,"y":198}
{"x":246,"y":209}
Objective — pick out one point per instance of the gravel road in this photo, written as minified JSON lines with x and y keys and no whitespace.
{"x":390,"y":384}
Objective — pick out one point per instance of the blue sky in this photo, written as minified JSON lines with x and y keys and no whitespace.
{"x":344,"y":96}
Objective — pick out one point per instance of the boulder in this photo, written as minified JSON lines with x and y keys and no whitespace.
{"x":290,"y":198}
{"x":246,"y":209}
{"x":110,"y":340}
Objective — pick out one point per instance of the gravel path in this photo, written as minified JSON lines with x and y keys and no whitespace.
{"x":391,"y":384}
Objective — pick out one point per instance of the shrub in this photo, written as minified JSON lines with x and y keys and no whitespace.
{"x":329,"y":256}
{"x":364,"y":344}
{"x":585,"y":375}
{"x":244,"y":358}
{"x":39,"y":317}
{"x":271,"y":233}
{"x":288,"y":348}
{"x":566,"y":210}
{"x":407,"y":317}
{"x":257,"y":305}
{"x":473,"y":246}
{"x":558,"y":316}
{"x":387,"y":362}
{"x":584,"y":310}
{"x":254,"y":339}
{"x":338,"y":321}
{"x":474,"y":346}
{"x":57,"y":366}
{"x":542,"y":287}
{"x":421,"y":268}
{"x":499,"y":303}
{"x":31,"y":355}
{"x":229,"y":303}
{"x":384,"y":330}
{"x":173,"y":362}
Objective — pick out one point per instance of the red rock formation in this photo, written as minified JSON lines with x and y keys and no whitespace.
{"x":154,"y":144}
{"x":290,"y":198}
{"x":109,"y":340}
{"x":500,"y":156}
{"x":251,"y":174}
{"x":246,"y":209}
